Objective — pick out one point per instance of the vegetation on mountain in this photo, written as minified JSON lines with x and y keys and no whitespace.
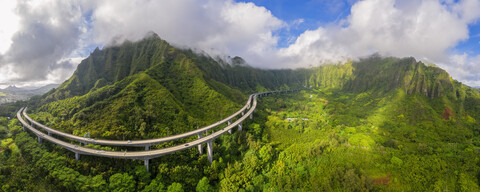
{"x":377,"y":124}
{"x":137,"y":91}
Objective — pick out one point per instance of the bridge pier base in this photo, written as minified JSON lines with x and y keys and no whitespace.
{"x":77,"y":156}
{"x":49,"y":134}
{"x":210,"y":150}
{"x":200,"y":151}
{"x":39,"y":139}
{"x":251,"y":115}
{"x":243,"y":113}
{"x":240,"y":127}
{"x":147,"y":147}
{"x":230,"y":130}
{"x":24,"y":128}
{"x":146,"y":162}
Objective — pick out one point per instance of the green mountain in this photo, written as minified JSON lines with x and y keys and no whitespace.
{"x":377,"y":124}
{"x":150,"y":89}
{"x":145,"y":89}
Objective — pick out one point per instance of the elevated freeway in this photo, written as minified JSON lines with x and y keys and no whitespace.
{"x":148,"y":154}
{"x":138,"y":143}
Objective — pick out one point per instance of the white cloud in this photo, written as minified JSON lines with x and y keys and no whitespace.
{"x":381,"y":26}
{"x":214,"y":26}
{"x":8,"y":25}
{"x":47,"y":32}
{"x":50,"y":32}
{"x":297,"y":22}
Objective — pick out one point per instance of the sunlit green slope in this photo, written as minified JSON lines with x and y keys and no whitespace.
{"x":137,"y":90}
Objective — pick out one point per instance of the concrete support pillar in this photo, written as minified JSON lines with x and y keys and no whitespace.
{"x":146,"y":162}
{"x":230,"y":130}
{"x":39,"y":139}
{"x":147,"y":147}
{"x":24,"y":128}
{"x":210,"y":150}
{"x":49,"y":133}
{"x":200,"y":150}
{"x":77,"y":156}
{"x":243,"y":113}
{"x":251,"y":115}
{"x":240,"y":126}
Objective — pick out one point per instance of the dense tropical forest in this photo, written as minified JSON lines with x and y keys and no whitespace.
{"x":377,"y":124}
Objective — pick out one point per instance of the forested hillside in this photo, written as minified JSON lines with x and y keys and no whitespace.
{"x":377,"y":124}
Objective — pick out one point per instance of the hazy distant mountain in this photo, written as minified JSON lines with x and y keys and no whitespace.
{"x":13,"y":93}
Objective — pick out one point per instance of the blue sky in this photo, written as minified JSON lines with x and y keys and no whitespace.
{"x":317,"y":13}
{"x":472,"y":45}
{"x":45,"y":41}
{"x":312,"y":13}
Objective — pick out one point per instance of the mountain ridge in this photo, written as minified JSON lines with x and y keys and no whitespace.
{"x":189,"y":85}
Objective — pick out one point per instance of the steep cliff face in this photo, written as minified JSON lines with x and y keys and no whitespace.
{"x":385,"y":74}
{"x":143,"y":89}
{"x":113,"y":64}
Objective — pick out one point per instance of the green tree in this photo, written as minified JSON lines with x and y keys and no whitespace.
{"x":204,"y":185}
{"x":175,"y":187}
{"x":155,"y":186}
{"x":142,"y":176}
{"x":121,"y":182}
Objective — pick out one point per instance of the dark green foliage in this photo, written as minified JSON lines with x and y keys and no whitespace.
{"x":204,"y":185}
{"x":121,"y":182}
{"x":155,"y":186}
{"x":175,"y":187}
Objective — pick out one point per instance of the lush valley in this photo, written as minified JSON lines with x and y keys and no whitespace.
{"x":378,"y":124}
{"x":12,"y":93}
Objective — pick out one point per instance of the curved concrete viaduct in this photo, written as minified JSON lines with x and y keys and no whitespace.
{"x":150,"y":154}
{"x":138,"y":143}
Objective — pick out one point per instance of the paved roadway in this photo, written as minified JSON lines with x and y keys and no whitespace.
{"x":137,"y":154}
{"x":150,"y":154}
{"x":138,"y":143}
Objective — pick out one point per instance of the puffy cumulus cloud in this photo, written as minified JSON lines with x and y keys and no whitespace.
{"x":464,"y":68}
{"x":9,"y":24}
{"x":427,"y":30}
{"x":215,"y":26}
{"x":424,"y":29}
{"x":38,"y":50}
{"x":51,"y":36}
{"x":48,"y":31}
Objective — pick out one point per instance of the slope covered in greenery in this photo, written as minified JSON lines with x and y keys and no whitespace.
{"x":146,"y":89}
{"x":378,"y":124}
{"x":329,"y":140}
